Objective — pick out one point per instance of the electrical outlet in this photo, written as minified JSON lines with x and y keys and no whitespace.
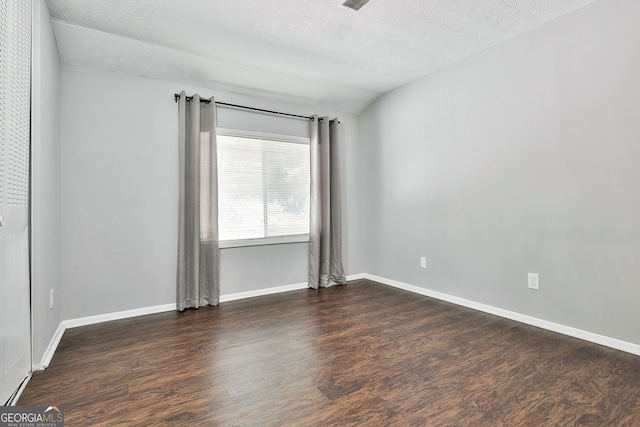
{"x":51,"y":298}
{"x":423,"y":262}
{"x":534,"y":281}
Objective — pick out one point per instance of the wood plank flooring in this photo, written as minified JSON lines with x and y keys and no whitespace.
{"x":358,"y":355}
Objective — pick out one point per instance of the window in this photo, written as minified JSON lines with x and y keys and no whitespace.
{"x":263,"y":188}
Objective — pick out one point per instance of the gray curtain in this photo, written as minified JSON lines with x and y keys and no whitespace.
{"x":325,"y":233}
{"x":198,"y":281}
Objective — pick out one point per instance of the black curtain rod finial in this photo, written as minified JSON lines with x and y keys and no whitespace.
{"x":330,"y":121}
{"x":190,"y":98}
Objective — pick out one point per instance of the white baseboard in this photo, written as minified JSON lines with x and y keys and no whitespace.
{"x":91,"y":320}
{"x":276,"y":290}
{"x":518,"y":317}
{"x":100,"y":318}
{"x":261,"y":292}
{"x":51,"y":349}
{"x":544,"y":324}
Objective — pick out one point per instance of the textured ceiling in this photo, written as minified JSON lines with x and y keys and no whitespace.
{"x":313,"y":52}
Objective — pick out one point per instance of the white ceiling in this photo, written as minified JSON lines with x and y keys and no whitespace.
{"x":311,"y":52}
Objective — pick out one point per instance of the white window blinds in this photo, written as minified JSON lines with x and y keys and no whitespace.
{"x":263,"y":187}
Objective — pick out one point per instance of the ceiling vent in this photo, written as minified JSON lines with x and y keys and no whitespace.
{"x":355,"y":4}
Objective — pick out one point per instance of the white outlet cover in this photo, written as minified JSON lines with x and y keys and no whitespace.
{"x":423,"y":262}
{"x":534,"y":281}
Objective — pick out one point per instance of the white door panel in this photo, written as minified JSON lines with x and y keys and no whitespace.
{"x":15,"y":110}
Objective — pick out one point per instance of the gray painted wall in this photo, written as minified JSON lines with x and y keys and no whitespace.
{"x":523,"y":158}
{"x":120,"y":193}
{"x":45,"y":182}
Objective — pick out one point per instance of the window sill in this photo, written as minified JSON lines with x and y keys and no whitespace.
{"x":298,"y":238}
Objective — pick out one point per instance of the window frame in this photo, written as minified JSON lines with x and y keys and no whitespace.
{"x":260,"y":241}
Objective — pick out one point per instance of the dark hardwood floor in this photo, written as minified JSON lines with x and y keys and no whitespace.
{"x":363,"y":354}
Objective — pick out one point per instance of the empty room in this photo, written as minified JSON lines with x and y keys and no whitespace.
{"x":320,"y":213}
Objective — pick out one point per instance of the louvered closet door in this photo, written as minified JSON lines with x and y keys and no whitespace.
{"x":15,"y":100}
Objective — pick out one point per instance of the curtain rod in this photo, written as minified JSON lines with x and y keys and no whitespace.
{"x":206,"y":101}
